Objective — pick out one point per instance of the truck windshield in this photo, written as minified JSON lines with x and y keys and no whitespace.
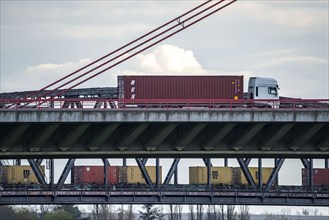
{"x":272,"y":91}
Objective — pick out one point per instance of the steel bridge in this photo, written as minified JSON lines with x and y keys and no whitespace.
{"x":175,"y":194}
{"x":94,"y":123}
{"x":111,"y":128}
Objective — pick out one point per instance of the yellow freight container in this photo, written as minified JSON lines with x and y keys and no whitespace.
{"x":133,"y":175}
{"x":219,"y":175}
{"x":20,"y":175}
{"x":240,"y":178}
{"x":2,"y":174}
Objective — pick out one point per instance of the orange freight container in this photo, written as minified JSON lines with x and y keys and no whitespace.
{"x":180,"y":87}
{"x":320,"y":177}
{"x":94,"y":174}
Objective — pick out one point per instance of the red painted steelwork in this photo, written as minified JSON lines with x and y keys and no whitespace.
{"x":320,"y":177}
{"x":122,"y":55}
{"x":82,"y":104}
{"x":94,"y":174}
{"x":180,"y":87}
{"x":181,"y":23}
{"x":107,"y":55}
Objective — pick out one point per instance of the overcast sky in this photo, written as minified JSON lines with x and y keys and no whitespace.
{"x":42,"y":41}
{"x":287,"y":40}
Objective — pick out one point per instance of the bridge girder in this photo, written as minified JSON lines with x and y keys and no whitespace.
{"x":163,"y":134}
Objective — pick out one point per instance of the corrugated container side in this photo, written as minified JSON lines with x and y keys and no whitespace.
{"x":133,"y":175}
{"x":320,"y":177}
{"x":219,"y":175}
{"x":239,"y":177}
{"x":180,"y":87}
{"x":222,"y":175}
{"x":2,"y":174}
{"x":194,"y":176}
{"x":22,"y":174}
{"x":94,"y":174}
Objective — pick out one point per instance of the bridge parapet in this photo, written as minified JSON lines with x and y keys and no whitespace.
{"x":160,"y":115}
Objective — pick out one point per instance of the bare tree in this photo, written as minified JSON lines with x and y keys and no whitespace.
{"x":230,"y":212}
{"x":191,"y":213}
{"x":199,"y":212}
{"x":44,"y":209}
{"x":222,"y":212}
{"x":210,"y":212}
{"x":150,"y":212}
{"x":314,"y":212}
{"x":244,"y":213}
{"x":179,"y":211}
{"x":121,"y":212}
{"x":272,"y":216}
{"x":103,"y":212}
{"x":130,"y":212}
{"x":172,"y":214}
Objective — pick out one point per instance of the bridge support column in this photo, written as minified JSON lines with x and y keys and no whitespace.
{"x":157,"y":162}
{"x":171,"y":172}
{"x":209,"y":171}
{"x":274,"y":175}
{"x":144,"y":171}
{"x":106,"y":163}
{"x":51,"y":173}
{"x":310,"y":173}
{"x":37,"y":171}
{"x":66,"y":171}
{"x":246,"y":172}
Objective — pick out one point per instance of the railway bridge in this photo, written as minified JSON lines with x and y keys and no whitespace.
{"x":54,"y":122}
{"x":105,"y":128}
{"x":141,"y":130}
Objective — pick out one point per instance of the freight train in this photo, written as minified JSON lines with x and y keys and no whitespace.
{"x":121,"y":175}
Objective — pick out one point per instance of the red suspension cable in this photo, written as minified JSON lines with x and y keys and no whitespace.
{"x":111,"y":53}
{"x":180,"y":23}
{"x":147,"y":47}
{"x":135,"y":47}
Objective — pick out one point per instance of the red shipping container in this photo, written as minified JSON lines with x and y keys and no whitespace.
{"x":320,"y":177}
{"x":94,"y":174}
{"x":180,"y":87}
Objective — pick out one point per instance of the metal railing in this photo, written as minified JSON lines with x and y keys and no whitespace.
{"x":162,"y":104}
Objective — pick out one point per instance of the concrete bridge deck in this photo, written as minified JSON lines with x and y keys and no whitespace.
{"x":65,"y":133}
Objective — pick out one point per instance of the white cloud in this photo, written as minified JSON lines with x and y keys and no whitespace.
{"x":170,"y":59}
{"x":35,"y":77}
{"x":165,"y":59}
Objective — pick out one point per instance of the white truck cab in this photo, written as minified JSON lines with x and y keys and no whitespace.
{"x":264,"y":88}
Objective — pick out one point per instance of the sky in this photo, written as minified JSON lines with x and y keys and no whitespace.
{"x":42,"y":41}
